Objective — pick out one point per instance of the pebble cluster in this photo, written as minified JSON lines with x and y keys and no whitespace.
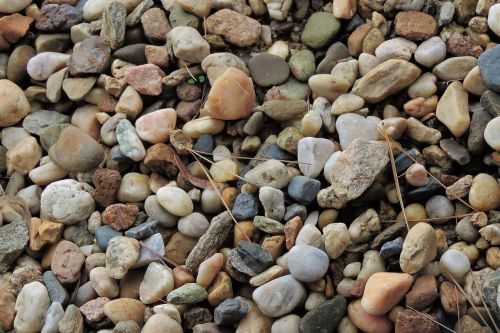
{"x":254,"y":166}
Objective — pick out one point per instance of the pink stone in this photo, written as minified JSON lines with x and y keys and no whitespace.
{"x":155,"y":127}
{"x":146,"y":79}
{"x":232,"y":96}
{"x":366,"y":322}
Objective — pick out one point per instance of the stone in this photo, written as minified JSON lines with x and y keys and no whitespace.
{"x":474,"y":82}
{"x":130,"y":103}
{"x":56,"y":291}
{"x":104,"y":285}
{"x":491,"y":136}
{"x":72,"y":321}
{"x":76,"y":151}
{"x":57,"y":17}
{"x":155,"y":25}
{"x":303,"y":189}
{"x":157,"y":283}
{"x":13,"y":240}
{"x":77,"y":88}
{"x":320,"y":29}
{"x":52,"y":318}
{"x":269,"y":173}
{"x":391,"y":248}
{"x":399,"y":74}
{"x":56,"y":205}
{"x":179,"y":17}
{"x":493,"y":15}
{"x":90,"y":56}
{"x":490,"y":101}
{"x":174,"y":200}
{"x":128,"y":326}
{"x":146,"y":257}
{"x":123,"y":309}
{"x":268,"y":70}
{"x":279,"y":296}
{"x":17,"y":66}
{"x":454,"y":265}
{"x":198,"y":8}
{"x":121,"y":254}
{"x":235,"y":28}
{"x":455,"y":151}
{"x":32,"y":304}
{"x":113,"y":25}
{"x":129,"y":142}
{"x":415,"y":25}
{"x":7,"y":7}
{"x":193,"y":51}
{"x":230,"y":312}
{"x":136,"y":77}
{"x":419,"y":248}
{"x":104,"y":234}
{"x":384,"y":290}
{"x":453,"y":109}
{"x":312,"y":154}
{"x":423,"y":292}
{"x":254,"y":256}
{"x":143,"y":230}
{"x":232,"y":96}
{"x":41,"y":66}
{"x":245,"y":206}
{"x":94,"y":310}
{"x":24,"y":156}
{"x":302,"y":65}
{"x":455,"y":68}
{"x":439,"y":208}
{"x":409,"y":320}
{"x":349,"y":183}
{"x":431,"y":52}
{"x":216,"y":64}
{"x":346,"y":103}
{"x":314,"y":320}
{"x":372,"y":40}
{"x":351,"y":126}
{"x":367,"y":322}
{"x":67,"y":261}
{"x":307,"y":263}
{"x":189,"y":293}
{"x":155,"y":127}
{"x":421,"y":133}
{"x":54,"y":85}
{"x":160,"y":322}
{"x":484,"y":193}
{"x":106,"y":182}
{"x":7,"y":307}
{"x":15,"y":105}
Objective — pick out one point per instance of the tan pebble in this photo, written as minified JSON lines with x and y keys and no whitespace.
{"x":181,"y":276}
{"x":266,"y":276}
{"x":244,"y":228}
{"x":419,"y":248}
{"x":484,"y":193}
{"x":420,"y":106}
{"x":384,"y":290}
{"x":209,"y":269}
{"x":220,"y":290}
{"x":102,"y":283}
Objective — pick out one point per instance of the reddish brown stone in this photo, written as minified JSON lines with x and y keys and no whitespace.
{"x":236,"y":28}
{"x":94,"y":310}
{"x":188,"y":92}
{"x":14,"y":27}
{"x":66,"y":262}
{"x":55,"y":17}
{"x":415,"y":25}
{"x":358,"y":288}
{"x":336,"y":270}
{"x":107,"y":104}
{"x":7,"y":308}
{"x":452,"y":300}
{"x":106,"y":182}
{"x":409,"y":321}
{"x":291,"y":230}
{"x":157,"y":55}
{"x":460,"y":45}
{"x":187,"y":110}
{"x":423,"y":292}
{"x":158,"y":159}
{"x":120,"y":216}
{"x":146,"y":79}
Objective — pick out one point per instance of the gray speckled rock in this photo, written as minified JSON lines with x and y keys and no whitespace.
{"x":13,"y":240}
{"x":143,"y":230}
{"x":254,"y":256}
{"x":303,"y":189}
{"x":230,"y":312}
{"x":391,"y":248}
{"x":490,"y":70}
{"x":245,"y":207}
{"x":490,"y":292}
{"x":325,"y":317}
{"x":279,"y":296}
{"x":57,"y":293}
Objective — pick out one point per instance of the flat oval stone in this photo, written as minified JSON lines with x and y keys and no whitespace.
{"x":279,"y":296}
{"x":175,"y":200}
{"x":76,"y":151}
{"x":419,"y":248}
{"x":268,"y":69}
{"x":15,"y":106}
{"x":307,"y":263}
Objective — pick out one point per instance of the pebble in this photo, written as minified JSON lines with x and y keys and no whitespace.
{"x":234,"y":86}
{"x":398,"y":73}
{"x":351,"y":126}
{"x":367,"y":322}
{"x":230,"y":312}
{"x":54,"y":315}
{"x":90,"y":56}
{"x":303,"y":189}
{"x":188,"y":44}
{"x":313,"y":321}
{"x":383,"y":291}
{"x":32,"y":304}
{"x":76,"y":151}
{"x":493,"y":15}
{"x":174,"y":200}
{"x":44,"y":64}
{"x":268,"y":70}
{"x":439,"y":208}
{"x":454,"y":264}
{"x":124,"y":309}
{"x":455,"y":68}
{"x":273,"y":202}
{"x":488,"y":69}
{"x":146,"y":257}
{"x":209,"y":269}
{"x":452,"y":109}
{"x":391,"y":248}
{"x":491,"y":133}
{"x":56,"y":291}
{"x":129,"y":141}
{"x":189,"y":293}
{"x":7,"y":7}
{"x":279,"y":296}
{"x":302,"y":65}
{"x":269,"y":173}
{"x":415,"y":26}
{"x":160,"y":322}
{"x":157,"y":283}
{"x":484,"y":193}
{"x":216,"y":64}
{"x":254,"y":256}
{"x":155,"y":127}
{"x":103,"y":285}
{"x":419,"y":248}
{"x":320,"y":29}
{"x":135,"y":77}
{"x":235,"y":28}
{"x":312,"y":154}
{"x":130,"y":103}
{"x":307,"y":263}
{"x":396,"y":48}
{"x":54,"y":202}
{"x":121,"y":254}
{"x":15,"y":106}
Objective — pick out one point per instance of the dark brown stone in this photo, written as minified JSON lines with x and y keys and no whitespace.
{"x":409,"y":321}
{"x":423,"y":292}
{"x":54,"y":17}
{"x":107,"y":182}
